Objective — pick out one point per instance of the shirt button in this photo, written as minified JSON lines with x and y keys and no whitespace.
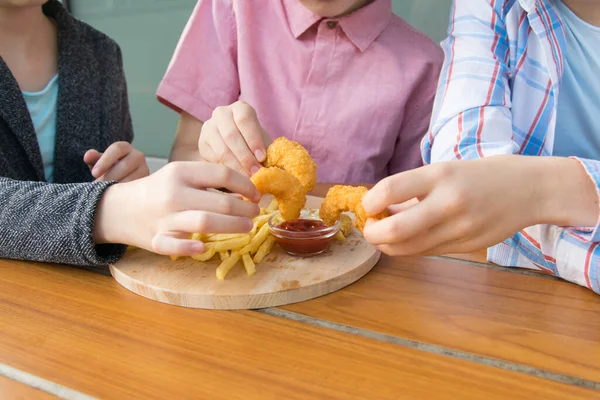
{"x":331,"y":24}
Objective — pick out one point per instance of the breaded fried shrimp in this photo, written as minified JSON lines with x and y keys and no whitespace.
{"x":285,"y":187}
{"x":292,"y":157}
{"x":340,"y":199}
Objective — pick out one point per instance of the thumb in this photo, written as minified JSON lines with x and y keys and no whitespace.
{"x":400,"y":188}
{"x":91,"y":157}
{"x":247,"y":122}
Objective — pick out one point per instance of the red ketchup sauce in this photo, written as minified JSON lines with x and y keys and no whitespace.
{"x":306,"y":236}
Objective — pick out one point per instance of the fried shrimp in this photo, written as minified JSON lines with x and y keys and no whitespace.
{"x":293,"y":158}
{"x":285,"y":187}
{"x":346,"y":198}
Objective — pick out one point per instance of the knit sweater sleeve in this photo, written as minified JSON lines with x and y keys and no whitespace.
{"x":52,"y":223}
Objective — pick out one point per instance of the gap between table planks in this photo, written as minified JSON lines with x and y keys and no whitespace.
{"x":544,"y":323}
{"x":83,"y":331}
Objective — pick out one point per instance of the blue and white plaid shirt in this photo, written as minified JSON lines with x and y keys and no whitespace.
{"x":498,"y":94}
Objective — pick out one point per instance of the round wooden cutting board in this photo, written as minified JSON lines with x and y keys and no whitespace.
{"x":280,"y":278}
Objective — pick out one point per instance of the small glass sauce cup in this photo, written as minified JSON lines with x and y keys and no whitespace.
{"x":308,"y":236}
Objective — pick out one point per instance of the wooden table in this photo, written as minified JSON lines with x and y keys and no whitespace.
{"x":435,"y":328}
{"x":10,"y":389}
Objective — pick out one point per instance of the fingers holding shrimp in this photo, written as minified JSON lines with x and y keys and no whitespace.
{"x":233,"y":137}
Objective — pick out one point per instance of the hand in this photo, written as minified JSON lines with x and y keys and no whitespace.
{"x":158,"y":213}
{"x":120,"y":162}
{"x":234,"y":137}
{"x":459,"y":206}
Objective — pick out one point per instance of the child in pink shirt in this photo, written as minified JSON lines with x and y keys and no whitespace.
{"x":349,"y":80}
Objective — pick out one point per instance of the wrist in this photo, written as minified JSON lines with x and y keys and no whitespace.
{"x":568,"y":196}
{"x":110,"y":222}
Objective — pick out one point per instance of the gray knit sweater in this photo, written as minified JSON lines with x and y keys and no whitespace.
{"x":53,"y":222}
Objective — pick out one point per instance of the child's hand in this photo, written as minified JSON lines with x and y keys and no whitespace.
{"x":234,"y":137}
{"x":121,"y":162}
{"x":459,"y":207}
{"x":158,"y":213}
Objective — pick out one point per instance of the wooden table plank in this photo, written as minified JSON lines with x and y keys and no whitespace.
{"x":13,"y":390}
{"x":477,"y":256}
{"x":544,"y":323}
{"x":83,"y":331}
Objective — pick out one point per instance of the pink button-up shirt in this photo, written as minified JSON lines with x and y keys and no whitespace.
{"x":356,"y":92}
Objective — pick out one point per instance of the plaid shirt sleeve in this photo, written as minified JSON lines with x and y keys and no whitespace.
{"x":472,"y":119}
{"x":471,"y":116}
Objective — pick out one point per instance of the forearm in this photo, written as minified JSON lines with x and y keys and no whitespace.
{"x":563,"y":240}
{"x":184,"y":153}
{"x":185,"y":146}
{"x":52,"y":223}
{"x":552,"y":250}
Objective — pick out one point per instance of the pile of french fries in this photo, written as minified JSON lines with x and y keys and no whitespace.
{"x":251,"y":248}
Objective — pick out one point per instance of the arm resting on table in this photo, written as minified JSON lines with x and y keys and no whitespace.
{"x":472,"y":119}
{"x":52,"y":223}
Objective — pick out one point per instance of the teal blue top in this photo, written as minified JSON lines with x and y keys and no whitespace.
{"x":577,"y":128}
{"x":42,"y":107}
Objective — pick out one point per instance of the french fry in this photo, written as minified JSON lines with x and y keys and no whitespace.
{"x":226,"y":265}
{"x":249,"y":264}
{"x":207,"y":255}
{"x":256,"y":241}
{"x":249,"y":248}
{"x":221,"y":237}
{"x":273,"y":206}
{"x":262,"y":219}
{"x":264,"y":249}
{"x":198,"y":236}
{"x":232,"y":244}
{"x":340,"y":236}
{"x":253,"y":231}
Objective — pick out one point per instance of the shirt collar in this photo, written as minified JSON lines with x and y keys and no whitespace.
{"x":362,"y":26}
{"x":529,"y":5}
{"x":299,"y":18}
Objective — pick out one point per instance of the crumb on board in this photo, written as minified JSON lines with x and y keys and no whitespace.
{"x":287,"y":285}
